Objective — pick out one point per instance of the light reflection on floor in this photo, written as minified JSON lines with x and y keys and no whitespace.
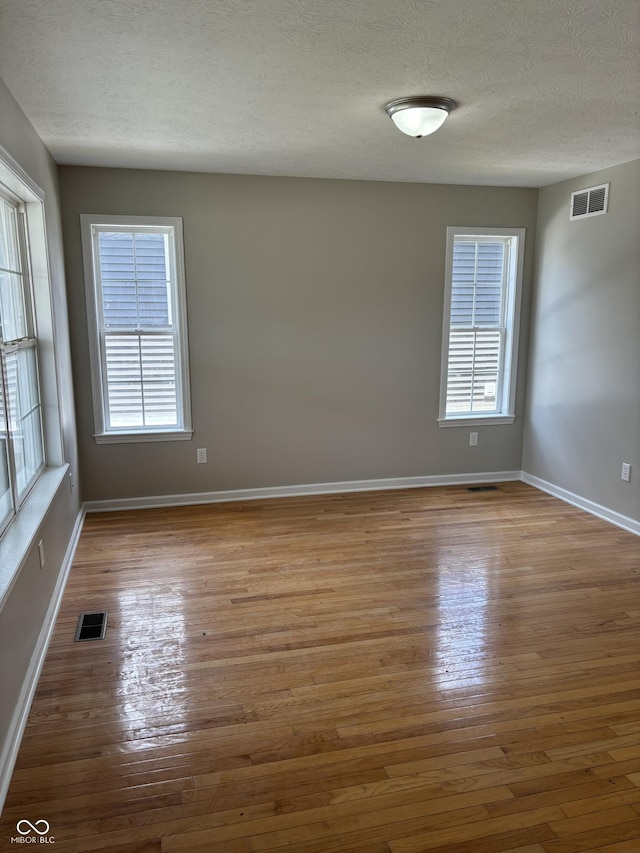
{"x":153,"y":649}
{"x":463,"y":620}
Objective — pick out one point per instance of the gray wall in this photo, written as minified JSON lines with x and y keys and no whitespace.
{"x":22,"y":617}
{"x":315,"y":329}
{"x":583,"y":399}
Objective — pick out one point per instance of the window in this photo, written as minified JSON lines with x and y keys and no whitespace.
{"x":32,"y":388}
{"x":480,"y":336}
{"x":134,"y":270}
{"x":22,"y":457}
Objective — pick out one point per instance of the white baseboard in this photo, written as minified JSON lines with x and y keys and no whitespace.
{"x":16,"y":729}
{"x":600,"y":511}
{"x":305,"y":489}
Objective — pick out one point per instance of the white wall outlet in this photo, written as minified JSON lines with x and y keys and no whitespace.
{"x":626,"y":472}
{"x":201,"y":455}
{"x":473,"y":439}
{"x":41,"y":553}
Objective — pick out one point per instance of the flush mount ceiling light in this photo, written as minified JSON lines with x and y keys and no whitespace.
{"x":419,"y":116}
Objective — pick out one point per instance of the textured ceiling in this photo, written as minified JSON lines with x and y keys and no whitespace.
{"x":547,"y":89}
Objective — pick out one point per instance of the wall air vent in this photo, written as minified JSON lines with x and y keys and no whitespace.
{"x":590,"y":202}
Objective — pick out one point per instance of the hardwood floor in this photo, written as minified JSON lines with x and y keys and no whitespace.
{"x":393,"y":672}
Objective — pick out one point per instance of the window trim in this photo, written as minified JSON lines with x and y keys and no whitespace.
{"x":102,"y":435}
{"x":507,"y":413}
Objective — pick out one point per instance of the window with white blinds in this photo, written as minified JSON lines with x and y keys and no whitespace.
{"x":136,"y":303}
{"x":22,"y":456}
{"x":482,"y":299}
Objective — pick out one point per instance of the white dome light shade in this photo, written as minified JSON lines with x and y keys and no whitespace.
{"x":419,"y":121}
{"x":419,"y":116}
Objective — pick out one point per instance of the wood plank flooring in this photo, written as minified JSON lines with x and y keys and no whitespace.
{"x":392,"y":672}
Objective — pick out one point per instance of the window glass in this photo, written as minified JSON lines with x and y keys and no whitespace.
{"x":13,"y":318}
{"x":135,"y":284}
{"x":25,"y":416}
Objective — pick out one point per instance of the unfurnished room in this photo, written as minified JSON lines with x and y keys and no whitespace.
{"x":320,"y":426}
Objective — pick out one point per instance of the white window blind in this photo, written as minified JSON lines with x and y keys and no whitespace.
{"x":482,"y":297}
{"x":138,"y":311}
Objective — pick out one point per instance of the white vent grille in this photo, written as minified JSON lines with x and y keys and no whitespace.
{"x":590,"y":202}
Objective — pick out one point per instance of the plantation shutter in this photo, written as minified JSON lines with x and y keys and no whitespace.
{"x":477,"y":325}
{"x":138,"y":330}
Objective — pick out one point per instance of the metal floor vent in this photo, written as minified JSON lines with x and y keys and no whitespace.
{"x":91,"y":626}
{"x":482,"y":488}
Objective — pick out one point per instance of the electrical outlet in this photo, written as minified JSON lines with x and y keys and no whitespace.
{"x":41,"y":553}
{"x":473,"y":439}
{"x":201,"y":455}
{"x":626,"y":472}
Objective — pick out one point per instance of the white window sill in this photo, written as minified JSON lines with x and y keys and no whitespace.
{"x":130,"y":437}
{"x":477,"y":420}
{"x":19,"y":537}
